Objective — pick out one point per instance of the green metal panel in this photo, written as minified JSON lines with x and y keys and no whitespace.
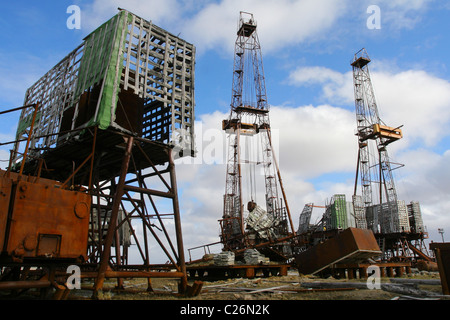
{"x":103,"y":60}
{"x":96,"y":55}
{"x":25,"y":124}
{"x":339,"y":212}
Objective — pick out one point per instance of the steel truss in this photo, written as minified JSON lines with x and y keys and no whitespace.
{"x":249,"y":117}
{"x":132,"y":185}
{"x":131,"y":195}
{"x":370,"y":127}
{"x":390,"y":218}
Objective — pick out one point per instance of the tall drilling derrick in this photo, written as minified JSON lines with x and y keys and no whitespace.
{"x":374,"y":164}
{"x":248,"y":121}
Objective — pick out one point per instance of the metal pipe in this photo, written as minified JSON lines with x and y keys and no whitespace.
{"x":241,"y":206}
{"x":281,"y":184}
{"x":135,"y":274}
{"x":36,"y":107}
{"x":16,"y":109}
{"x":150,"y":191}
{"x":92,"y":159}
{"x":13,"y":285}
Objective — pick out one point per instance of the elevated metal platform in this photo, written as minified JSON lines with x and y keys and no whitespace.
{"x":107,"y":146}
{"x":213,"y":272}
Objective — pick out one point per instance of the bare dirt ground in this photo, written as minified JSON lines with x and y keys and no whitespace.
{"x":271,"y":297}
{"x":290,"y":287}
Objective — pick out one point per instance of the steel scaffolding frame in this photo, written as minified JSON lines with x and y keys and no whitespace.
{"x":108,"y":121}
{"x":370,"y":127}
{"x":128,"y":74}
{"x":249,"y":116}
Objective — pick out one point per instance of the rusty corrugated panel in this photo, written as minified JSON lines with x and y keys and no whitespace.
{"x":350,"y":246}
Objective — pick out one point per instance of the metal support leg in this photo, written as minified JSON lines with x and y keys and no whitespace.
{"x":114,"y":214}
{"x":176,"y":211}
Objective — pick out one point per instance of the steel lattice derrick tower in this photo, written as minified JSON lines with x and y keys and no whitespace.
{"x":374,"y":165}
{"x":249,"y":116}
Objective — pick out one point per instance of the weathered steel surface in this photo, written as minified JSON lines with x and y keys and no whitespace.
{"x":350,"y":246}
{"x":149,"y":94}
{"x":15,"y":285}
{"x":5,"y":194}
{"x":442,"y":251}
{"x":42,"y":220}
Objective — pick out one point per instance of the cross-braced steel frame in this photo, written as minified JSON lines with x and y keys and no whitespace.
{"x":133,"y":193}
{"x":249,"y":116}
{"x":390,"y":218}
{"x":132,"y":184}
{"x":368,"y":118}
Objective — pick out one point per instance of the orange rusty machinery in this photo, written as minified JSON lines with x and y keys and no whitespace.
{"x":40,"y":220}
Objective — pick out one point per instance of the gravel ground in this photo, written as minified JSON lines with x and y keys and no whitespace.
{"x":290,"y":287}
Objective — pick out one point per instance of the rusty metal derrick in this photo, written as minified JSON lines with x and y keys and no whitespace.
{"x":269,"y":222}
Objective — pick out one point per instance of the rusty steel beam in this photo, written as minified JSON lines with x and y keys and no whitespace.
{"x":68,"y":203}
{"x":18,"y":108}
{"x":36,"y":108}
{"x":134,"y":274}
{"x":24,"y":284}
{"x":149,"y":227}
{"x":114,"y":214}
{"x":179,"y":238}
{"x":150,"y":191}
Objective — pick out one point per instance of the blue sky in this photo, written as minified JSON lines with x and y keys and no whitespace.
{"x":307,"y":47}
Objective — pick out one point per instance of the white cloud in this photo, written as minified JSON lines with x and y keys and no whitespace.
{"x":394,"y":15}
{"x":419,"y":101}
{"x":402,"y":14}
{"x":336,"y":87}
{"x":314,"y":140}
{"x":413,"y":98}
{"x":426,"y":179}
{"x":280,"y":23}
{"x":158,"y":11}
{"x":210,"y":24}
{"x":416,"y":99}
{"x":311,"y":141}
{"x":318,"y":141}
